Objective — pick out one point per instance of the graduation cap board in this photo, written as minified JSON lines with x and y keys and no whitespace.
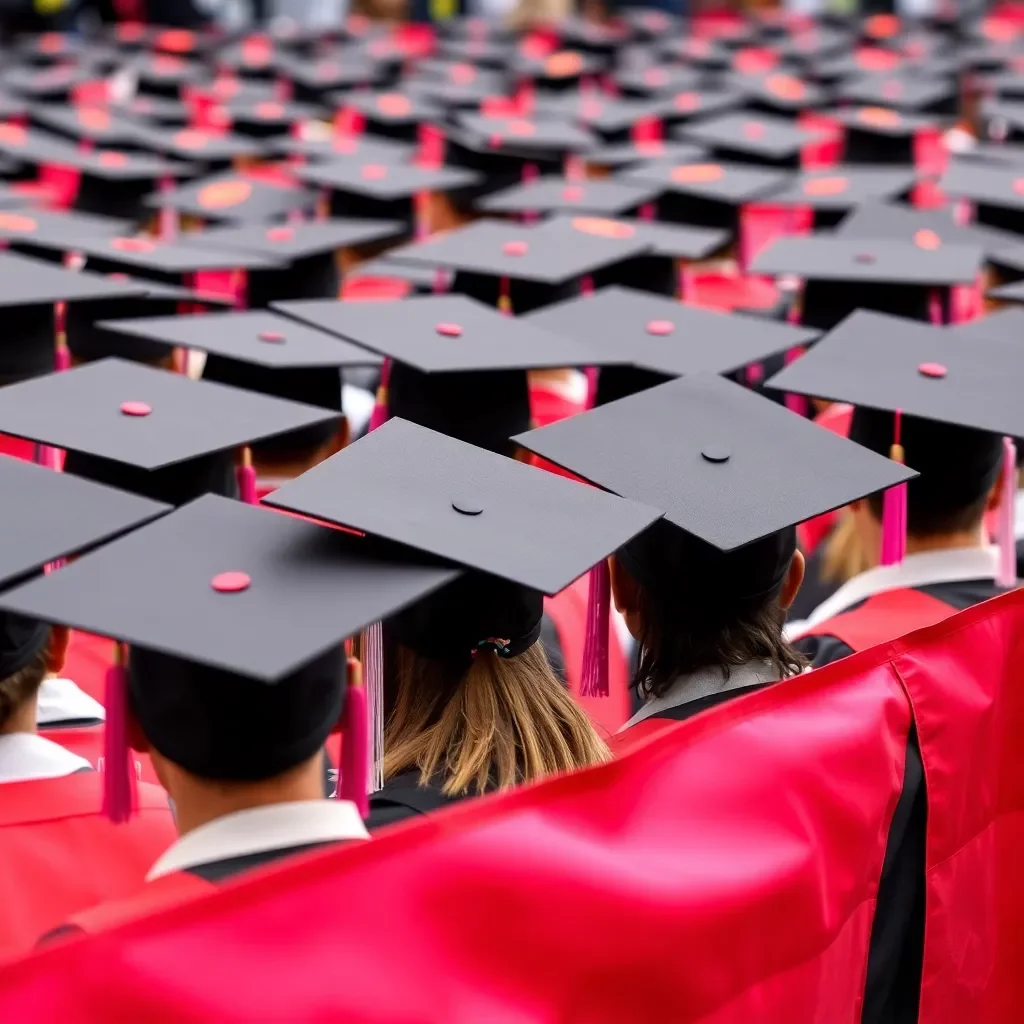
{"x":754,"y":138}
{"x":96,"y":124}
{"x":475,"y":508}
{"x":930,"y":373}
{"x":902,"y":92}
{"x":550,"y":194}
{"x":205,"y":148}
{"x":694,"y":105}
{"x":330,"y":146}
{"x":236,"y":199}
{"x":611,"y":118}
{"x":1006,"y":324}
{"x":537,"y":137}
{"x":624,"y":154}
{"x":997,"y":192}
{"x":880,"y":135}
{"x":722,"y":462}
{"x":266,"y":118}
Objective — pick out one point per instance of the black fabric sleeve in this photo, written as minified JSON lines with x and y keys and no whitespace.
{"x":822,"y":650}
{"x":893,"y":987}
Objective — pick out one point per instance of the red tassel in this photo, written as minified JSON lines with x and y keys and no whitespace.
{"x":594,"y":682}
{"x":61,"y":356}
{"x":118,"y":775}
{"x":894,"y":508}
{"x":355,"y":753}
{"x":379,"y":416}
{"x":1005,"y":533}
{"x":247,"y":479}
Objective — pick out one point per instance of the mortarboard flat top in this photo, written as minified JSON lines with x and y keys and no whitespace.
{"x":1005,"y":324}
{"x":167,"y":70}
{"x":394,"y":108}
{"x":724,"y":463}
{"x":195,"y":144}
{"x":484,"y":53}
{"x":257,"y":336}
{"x":1008,"y":292}
{"x":340,"y":70}
{"x":446,"y":498}
{"x":1002,"y":187}
{"x":674,"y":241}
{"x":55,"y":81}
{"x":888,"y":363}
{"x":27,"y":282}
{"x":83,"y":410}
{"x":622,"y":154}
{"x":901,"y":92}
{"x":653,"y":332}
{"x":458,"y":85}
{"x":601,"y":113}
{"x":441,"y":333}
{"x":80,"y":122}
{"x":869,"y":261}
{"x":697,"y":52}
{"x":552,"y":252}
{"x":157,"y":109}
{"x":421,"y":279}
{"x":36,"y":147}
{"x":359,"y":148}
{"x":690,"y":104}
{"x":780,"y":91}
{"x":54,"y":223}
{"x":657,"y":79}
{"x":232,"y":197}
{"x":523,"y":135}
{"x":309,"y":587}
{"x":269,"y":112}
{"x":881,"y":121}
{"x":550,"y":194}
{"x":756,"y":134}
{"x":385,"y":181}
{"x":560,"y":66}
{"x":844,"y":188}
{"x":51,"y":515}
{"x":289,"y":242}
{"x":725,"y":182}
{"x":1009,"y":153}
{"x":115,"y":165}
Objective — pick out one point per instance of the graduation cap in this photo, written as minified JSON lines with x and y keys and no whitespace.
{"x":29,"y":291}
{"x":236,"y":617}
{"x":751,"y":138}
{"x":420,"y":280}
{"x":160,"y":110}
{"x":625,"y":154}
{"x":833,"y":192}
{"x":557,"y":195}
{"x":558,"y":71}
{"x":692,"y":104}
{"x":267,"y":118}
{"x":147,"y":431}
{"x":462,"y":86}
{"x":880,"y":135}
{"x":997,"y":192}
{"x":380,"y":190}
{"x":234,"y":198}
{"x":330,"y":146}
{"x":252,"y":56}
{"x":35,"y":147}
{"x":495,"y":54}
{"x":56,"y":82}
{"x":94,"y":124}
{"x":705,"y":192}
{"x":780,"y":92}
{"x":541,"y":138}
{"x":658,"y":338}
{"x":1005,"y":324}
{"x":522,"y":532}
{"x":1003,"y":121}
{"x":697,"y":52}
{"x":457,"y":365}
{"x":944,"y":400}
{"x":161,"y":74}
{"x":312,"y":78}
{"x":524,"y":267}
{"x":611,"y":118}
{"x":56,"y":223}
{"x":395,"y":115}
{"x":733,"y":473}
{"x":843,"y":274}
{"x":210,"y":150}
{"x":654,"y":79}
{"x":902,"y":92}
{"x":306,"y":254}
{"x":115,"y":183}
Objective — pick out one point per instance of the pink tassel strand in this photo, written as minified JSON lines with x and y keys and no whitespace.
{"x":355,"y":753}
{"x":1005,"y":532}
{"x":373,"y":659}
{"x":62,"y":357}
{"x":594,"y":682}
{"x":247,"y":480}
{"x":379,"y":416}
{"x":118,"y":777}
{"x":894,"y":509}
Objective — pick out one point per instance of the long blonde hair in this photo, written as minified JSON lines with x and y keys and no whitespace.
{"x":505,"y":721}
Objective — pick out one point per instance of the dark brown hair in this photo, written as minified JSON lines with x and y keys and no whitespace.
{"x":23,"y":685}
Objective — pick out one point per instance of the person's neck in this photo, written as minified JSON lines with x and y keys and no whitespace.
{"x":23,"y":719}
{"x":197,"y":802}
{"x":947,"y":541}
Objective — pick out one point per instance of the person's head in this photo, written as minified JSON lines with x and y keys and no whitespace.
{"x":691,"y":606}
{"x":959,"y":479}
{"x":471,"y":697}
{"x":29,"y":652}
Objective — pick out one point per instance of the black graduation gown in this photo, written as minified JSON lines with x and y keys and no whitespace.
{"x":218,"y":871}
{"x":403,"y":797}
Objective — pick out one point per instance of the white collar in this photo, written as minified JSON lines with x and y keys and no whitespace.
{"x":953,"y":565}
{"x":60,"y":700}
{"x":703,"y":682}
{"x":1018,"y":516}
{"x":25,"y":756}
{"x":258,"y":829}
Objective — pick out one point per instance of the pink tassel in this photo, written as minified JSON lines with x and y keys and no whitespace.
{"x":894,"y":509}
{"x":592,"y":375}
{"x":379,"y":416}
{"x":935,"y":307}
{"x":61,"y":358}
{"x":355,"y":753}
{"x":1005,"y":533}
{"x":118,"y":776}
{"x":594,"y":682}
{"x":796,"y":403}
{"x":246,"y":474}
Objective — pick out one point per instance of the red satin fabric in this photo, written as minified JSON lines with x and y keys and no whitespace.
{"x":59,"y":855}
{"x":723,"y":873}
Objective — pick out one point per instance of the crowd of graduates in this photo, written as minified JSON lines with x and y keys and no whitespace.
{"x":513,"y":524}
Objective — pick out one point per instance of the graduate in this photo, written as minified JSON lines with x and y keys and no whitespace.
{"x":943,"y":405}
{"x":469,"y":702}
{"x":236,"y":674}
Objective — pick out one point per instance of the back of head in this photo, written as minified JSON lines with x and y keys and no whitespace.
{"x":958,"y":467}
{"x":705,"y":608}
{"x":472,"y":698}
{"x":23,"y":648}
{"x":221,"y":726}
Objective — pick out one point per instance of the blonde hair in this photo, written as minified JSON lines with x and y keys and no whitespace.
{"x":505,"y":721}
{"x":845,"y":556}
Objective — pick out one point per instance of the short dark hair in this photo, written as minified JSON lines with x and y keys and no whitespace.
{"x":22,"y":685}
{"x":924,"y":520}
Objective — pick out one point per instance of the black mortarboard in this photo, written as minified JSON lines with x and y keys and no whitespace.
{"x":360,"y":148}
{"x":835,"y":191}
{"x":384,"y":191}
{"x":558,"y":71}
{"x":396,"y":115}
{"x":879,"y":135}
{"x":779,"y":92}
{"x":656,"y":80}
{"x":306,"y":251}
{"x":1004,"y":120}
{"x":530,"y":265}
{"x":696,"y":52}
{"x":651,"y":23}
{"x":32,"y":146}
{"x":160,"y":110}
{"x":95,"y":124}
{"x":612,"y":119}
{"x":147,"y":431}
{"x":236,"y":616}
{"x":56,"y":82}
{"x":997,"y":192}
{"x":624,"y":154}
{"x":733,"y":473}
{"x":264,"y":119}
{"x":901,"y":92}
{"x":1007,"y":153}
{"x":1006,"y":324}
{"x":115,"y":184}
{"x":693,"y":104}
{"x":708,"y":194}
{"x":751,"y":138}
{"x":459,"y":86}
{"x":29,"y":291}
{"x":161,"y":74}
{"x":343,"y":69}
{"x":209,"y":150}
{"x":457,"y":366}
{"x":536,"y":137}
{"x":656,"y":338}
{"x":48,"y":47}
{"x":252,"y":56}
{"x":482,"y":53}
{"x":16,"y":225}
{"x":551,"y":195}
{"x":844,"y":274}
{"x":233,"y":198}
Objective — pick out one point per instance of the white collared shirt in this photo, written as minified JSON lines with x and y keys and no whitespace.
{"x":25,"y":756}
{"x":61,"y":700}
{"x":259,"y":829}
{"x":953,"y":565}
{"x":706,"y":681}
